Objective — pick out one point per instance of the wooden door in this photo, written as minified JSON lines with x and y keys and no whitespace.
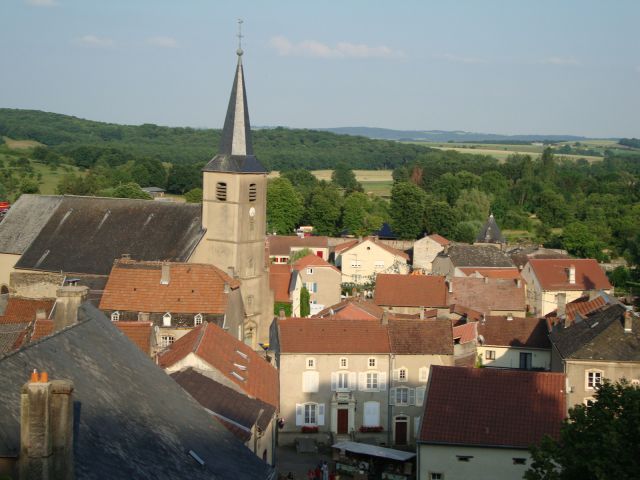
{"x":401,"y":432}
{"x":343,"y":421}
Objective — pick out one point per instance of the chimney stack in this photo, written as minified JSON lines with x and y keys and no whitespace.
{"x":421,"y":313}
{"x":41,"y":314}
{"x":450,"y":285}
{"x":561,"y":299}
{"x":510,"y":317}
{"x":486,"y":280}
{"x":385,"y":318}
{"x":227,"y":288}
{"x":518,"y":283}
{"x":572,"y":274}
{"x":46,"y":429}
{"x":231,"y":272}
{"x":628,"y":321}
{"x":68,"y":301}
{"x":165,"y":276}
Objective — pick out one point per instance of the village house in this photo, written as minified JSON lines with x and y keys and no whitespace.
{"x":425,"y":251}
{"x":411,"y":294}
{"x":361,"y":260}
{"x":211,"y":353}
{"x":490,"y":296}
{"x":175,"y":297}
{"x":334,"y":385}
{"x":552,"y":283}
{"x":322,"y":280}
{"x":286,"y":285}
{"x":454,"y":258}
{"x":480,"y":422}
{"x":353,"y":308}
{"x":604,"y":344}
{"x":465,"y":341}
{"x":17,"y":316}
{"x":281,"y":247}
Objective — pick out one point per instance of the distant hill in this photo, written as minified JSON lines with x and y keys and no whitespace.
{"x":446,"y":136}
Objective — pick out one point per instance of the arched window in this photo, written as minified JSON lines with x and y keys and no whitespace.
{"x":197,"y":320}
{"x":166,"y":320}
{"x":115,"y":316}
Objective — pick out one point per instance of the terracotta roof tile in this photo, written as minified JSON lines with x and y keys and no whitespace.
{"x":344,"y":246}
{"x":487,"y":294}
{"x":282,"y":244}
{"x":440,"y":239}
{"x":580,"y":307}
{"x":312,"y":260}
{"x":491,"y":407}
{"x":466,"y":332}
{"x":140,"y":333}
{"x":41,"y":329}
{"x":230,"y":357}
{"x":279,"y":279}
{"x":352,"y":308}
{"x":410,"y":290}
{"x":553,"y":274}
{"x":192,"y":288}
{"x":23,"y":310}
{"x":520,"y":332}
{"x":326,"y":335}
{"x":415,"y":337}
{"x":469,"y":313}
{"x":506,"y":273}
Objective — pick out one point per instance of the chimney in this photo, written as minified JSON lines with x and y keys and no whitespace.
{"x":484,"y":319}
{"x":385,"y":318}
{"x":572,"y":274}
{"x":41,"y":314}
{"x":628,"y":321}
{"x":46,"y":429}
{"x":227,"y":288}
{"x":165,"y":276}
{"x":509,"y":317}
{"x":518,"y":283}
{"x":450,"y":285}
{"x":68,"y":301}
{"x":281,"y":315}
{"x":231,"y":272}
{"x":561,"y":299}
{"x":486,"y":280}
{"x":421,"y":313}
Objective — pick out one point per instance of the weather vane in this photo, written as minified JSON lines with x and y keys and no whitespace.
{"x":240,"y":36}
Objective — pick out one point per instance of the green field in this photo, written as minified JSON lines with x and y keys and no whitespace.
{"x":375,"y":182}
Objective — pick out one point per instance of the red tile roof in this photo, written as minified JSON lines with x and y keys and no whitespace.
{"x":420,"y":337}
{"x":440,"y":239}
{"x":42,"y":328}
{"x":192,"y":288}
{"x":282,"y":244}
{"x":279,"y":279}
{"x":23,"y":310}
{"x":487,"y":294}
{"x":520,"y":332}
{"x":506,"y":273}
{"x":140,"y":333}
{"x":326,"y":335}
{"x":312,"y":260}
{"x":491,"y":407}
{"x":230,"y":357}
{"x":410,"y":290}
{"x":343,"y":247}
{"x":470,"y":314}
{"x":466,"y":332}
{"x":352,"y":308}
{"x":553,"y":274}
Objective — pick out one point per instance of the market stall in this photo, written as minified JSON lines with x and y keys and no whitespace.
{"x":362,"y":461}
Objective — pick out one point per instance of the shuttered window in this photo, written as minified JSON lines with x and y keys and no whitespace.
{"x":371,"y":414}
{"x":310,"y":381}
{"x":221,"y":191}
{"x":253,"y":192}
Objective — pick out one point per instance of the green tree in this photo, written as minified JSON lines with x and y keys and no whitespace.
{"x":407,"y":210}
{"x":325,"y":208}
{"x":298,"y":254}
{"x":130,"y":190}
{"x":344,"y":177}
{"x":305,"y":302}
{"x":303,"y":180}
{"x":466,"y":231}
{"x":284,"y":206}
{"x":440,"y":217}
{"x":578,"y":240}
{"x":3,"y":192}
{"x":184,"y":177}
{"x":553,"y":209}
{"x":599,"y":441}
{"x":473,"y":205}
{"x":194,"y":195}
{"x":358,"y":215}
{"x":29,"y":185}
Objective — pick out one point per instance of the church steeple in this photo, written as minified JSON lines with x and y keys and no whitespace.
{"x":236,"y":148}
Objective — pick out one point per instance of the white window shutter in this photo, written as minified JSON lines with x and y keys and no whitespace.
{"x":395,"y":375}
{"x":382,"y":380}
{"x":310,"y":381}
{"x":362,"y":379}
{"x":412,"y":396}
{"x":305,"y":382}
{"x":420,"y":391}
{"x":371,"y":414}
{"x":353,"y":381}
{"x":424,"y":374}
{"x":299,"y":414}
{"x":315,"y":383}
{"x":416,"y":427}
{"x":334,"y":381}
{"x":392,"y":396}
{"x":321,"y":414}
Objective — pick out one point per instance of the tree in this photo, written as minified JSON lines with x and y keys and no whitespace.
{"x":407,"y":210}
{"x":284,"y":206}
{"x":466,"y":231}
{"x":194,"y":195}
{"x":356,"y":217}
{"x":473,"y":205}
{"x":130,"y":190}
{"x":599,"y":441}
{"x":29,"y":185}
{"x":553,"y":209}
{"x":298,"y":254}
{"x":184,"y":177}
{"x":3,"y":192}
{"x":325,"y":207}
{"x":344,"y":177}
{"x":440,"y":217}
{"x":578,"y":240}
{"x":305,"y":302}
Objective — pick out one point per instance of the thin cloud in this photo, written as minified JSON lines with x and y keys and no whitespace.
{"x":458,"y":59}
{"x":95,"y":41}
{"x":41,"y":3}
{"x":315,"y":49}
{"x":562,"y":61}
{"x":162,"y":42}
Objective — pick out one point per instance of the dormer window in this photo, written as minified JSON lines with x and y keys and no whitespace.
{"x":221,"y":191}
{"x":253,"y":192}
{"x":166,"y":320}
{"x":197,"y":320}
{"x":115,"y":316}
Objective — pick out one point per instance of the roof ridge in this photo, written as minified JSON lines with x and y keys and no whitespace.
{"x":200,"y":338}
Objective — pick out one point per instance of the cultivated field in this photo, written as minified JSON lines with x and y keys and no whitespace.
{"x":376,"y":182}
{"x":20,"y":144}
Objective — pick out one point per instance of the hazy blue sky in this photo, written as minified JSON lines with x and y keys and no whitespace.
{"x":546,"y":67}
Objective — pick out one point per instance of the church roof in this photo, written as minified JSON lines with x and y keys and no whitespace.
{"x":490,"y":232}
{"x":24,"y":221}
{"x":236,"y":148}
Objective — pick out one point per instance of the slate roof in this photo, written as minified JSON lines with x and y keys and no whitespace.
{"x":280,"y":245}
{"x":253,"y":374}
{"x":420,"y":337}
{"x":528,"y":332}
{"x":192,"y":288}
{"x":225,"y":402}
{"x":352,"y":308}
{"x":86,"y":234}
{"x":25,"y":219}
{"x":312,"y":260}
{"x":279,"y":281}
{"x":490,"y":232}
{"x":553,"y":274}
{"x":492,"y":407}
{"x":487,"y":294}
{"x":134,"y":421}
{"x":410,"y":290}
{"x":477,"y":256}
{"x":23,"y":310}
{"x":600,"y":336}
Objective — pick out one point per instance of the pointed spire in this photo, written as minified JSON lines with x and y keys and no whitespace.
{"x":490,"y":232}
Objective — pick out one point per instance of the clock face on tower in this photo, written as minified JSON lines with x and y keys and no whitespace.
{"x":252,"y":212}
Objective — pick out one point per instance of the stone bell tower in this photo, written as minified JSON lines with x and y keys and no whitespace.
{"x":234,"y":213}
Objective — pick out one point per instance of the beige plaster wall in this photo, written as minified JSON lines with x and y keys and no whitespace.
{"x":425,"y":251}
{"x":7,"y":262}
{"x":367,"y":254}
{"x":31,"y":284}
{"x":509,"y":357}
{"x":328,"y":282}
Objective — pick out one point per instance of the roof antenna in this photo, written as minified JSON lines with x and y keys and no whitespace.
{"x":239,"y":51}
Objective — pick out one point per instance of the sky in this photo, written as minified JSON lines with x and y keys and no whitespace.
{"x":489,"y":66}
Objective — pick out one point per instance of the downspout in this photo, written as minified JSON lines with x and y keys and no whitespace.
{"x":392,"y":365}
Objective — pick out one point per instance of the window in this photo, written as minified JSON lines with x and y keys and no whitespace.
{"x":589,"y":401}
{"x":344,"y":362}
{"x":309,"y":271}
{"x":490,"y":354}
{"x":525,"y":361}
{"x":402,"y":396}
{"x":464,"y":458}
{"x":343,"y":381}
{"x":371,"y":414}
{"x":594,"y":379}
{"x":166,"y":320}
{"x":372,"y":363}
{"x":312,"y":287}
{"x":311,"y":362}
{"x":310,"y":414}
{"x":372,"y":380}
{"x":115,"y":316}
{"x":423,"y":374}
{"x":379,"y":264}
{"x":420,"y":392}
{"x":310,"y":381}
{"x":166,"y":340}
{"x":519,"y":461}
{"x":402,"y":375}
{"x":355,"y":263}
{"x":635,"y":381}
{"x":436,"y":476}
{"x":253,"y":192}
{"x":197,"y":320}
{"x":221,"y":191}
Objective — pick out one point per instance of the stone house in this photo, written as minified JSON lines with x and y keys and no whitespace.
{"x":323,"y":281}
{"x":552,"y":283}
{"x":425,"y":251}
{"x":453,"y":258}
{"x":603,"y":344}
{"x":281,"y":247}
{"x":480,"y":422}
{"x":286,"y":286}
{"x":411,"y":294}
{"x":490,"y":296}
{"x":362,"y":260}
